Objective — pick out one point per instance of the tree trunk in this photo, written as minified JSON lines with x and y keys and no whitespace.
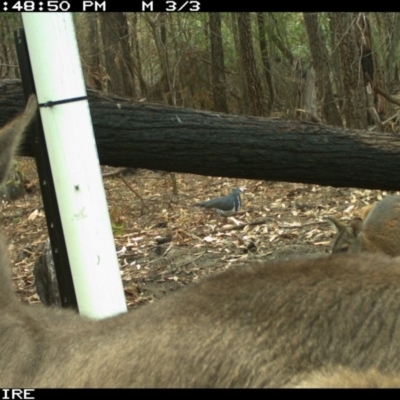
{"x":89,"y":48}
{"x":389,"y":29}
{"x":355,"y":104}
{"x":253,"y":81}
{"x":319,"y":55}
{"x":111,"y":23}
{"x":137,"y":57}
{"x":126,"y":55}
{"x":243,"y":99}
{"x":217,"y":64}
{"x":265,"y":59}
{"x":160,"y":39}
{"x":9,"y":22}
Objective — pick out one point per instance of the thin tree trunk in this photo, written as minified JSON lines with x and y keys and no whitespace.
{"x":112,"y":53}
{"x":320,"y":62}
{"x":253,"y":81}
{"x":160,"y":40}
{"x":138,"y":62}
{"x":217,"y":64}
{"x":244,"y":95}
{"x":354,"y":108}
{"x":265,"y":59}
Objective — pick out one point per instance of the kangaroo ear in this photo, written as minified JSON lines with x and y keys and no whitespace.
{"x":11,"y":135}
{"x":365,"y":211}
{"x":337,"y":225}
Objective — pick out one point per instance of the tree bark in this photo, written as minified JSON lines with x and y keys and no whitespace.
{"x":355,"y":102}
{"x":137,"y":56}
{"x":319,"y":54}
{"x":262,"y":40}
{"x":243,"y":99}
{"x":113,"y":26}
{"x":144,"y":135}
{"x":88,"y":38}
{"x":217,"y":64}
{"x":392,"y":39}
{"x":253,"y":81}
{"x":158,"y":30}
{"x":127,"y":60}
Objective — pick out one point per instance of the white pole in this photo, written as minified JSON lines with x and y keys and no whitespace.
{"x":74,"y":163}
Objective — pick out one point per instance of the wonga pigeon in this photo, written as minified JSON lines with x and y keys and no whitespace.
{"x":224,"y":205}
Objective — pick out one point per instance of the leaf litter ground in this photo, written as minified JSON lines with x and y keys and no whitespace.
{"x":164,"y":243}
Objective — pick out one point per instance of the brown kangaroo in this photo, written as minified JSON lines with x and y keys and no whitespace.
{"x":347,"y":378}
{"x":264,"y":325}
{"x":378,"y":231}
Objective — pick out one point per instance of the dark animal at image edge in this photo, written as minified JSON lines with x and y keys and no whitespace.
{"x":304,"y":322}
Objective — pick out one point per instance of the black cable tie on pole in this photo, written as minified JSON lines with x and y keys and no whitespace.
{"x":56,"y":103}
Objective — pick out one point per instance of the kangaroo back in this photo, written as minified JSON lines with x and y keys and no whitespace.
{"x":379,"y":232}
{"x":381,"y":228}
{"x":264,"y":325}
{"x":347,"y":378}
{"x":259,"y":326}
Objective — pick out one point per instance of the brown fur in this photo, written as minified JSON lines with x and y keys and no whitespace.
{"x":346,"y":378}
{"x":264,"y":325}
{"x":365,"y":211}
{"x":379,"y":232}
